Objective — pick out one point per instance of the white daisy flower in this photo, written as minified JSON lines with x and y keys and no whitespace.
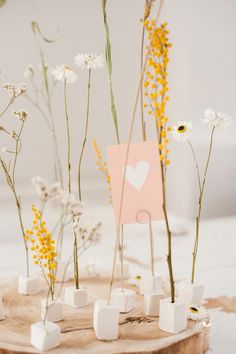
{"x":196,"y":313}
{"x":216,"y":119}
{"x":89,"y":61}
{"x":182,"y":131}
{"x":64,"y":72}
{"x":29,"y":71}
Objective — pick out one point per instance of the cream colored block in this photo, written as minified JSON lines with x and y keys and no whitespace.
{"x":124,"y":299}
{"x":105,"y":320}
{"x":45,"y":336}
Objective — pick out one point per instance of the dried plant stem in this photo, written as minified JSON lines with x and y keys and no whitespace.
{"x":196,"y":164}
{"x":85,"y":134}
{"x":8,"y":105}
{"x":76,"y":261}
{"x":68,"y":137}
{"x":127,"y":153}
{"x":19,"y":211}
{"x":143,"y":124}
{"x":48,"y":118}
{"x":109,"y":68}
{"x":198,"y":218}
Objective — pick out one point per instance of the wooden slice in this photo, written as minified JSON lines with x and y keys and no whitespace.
{"x":137,"y":332}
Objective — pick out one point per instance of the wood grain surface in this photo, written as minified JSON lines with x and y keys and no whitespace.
{"x":137,"y":332}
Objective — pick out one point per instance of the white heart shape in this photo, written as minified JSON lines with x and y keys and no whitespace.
{"x":137,"y":175}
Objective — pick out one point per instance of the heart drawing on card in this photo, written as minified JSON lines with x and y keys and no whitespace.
{"x":137,"y":175}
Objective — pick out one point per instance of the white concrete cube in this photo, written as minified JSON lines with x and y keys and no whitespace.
{"x":191,"y":293}
{"x":151,"y":303}
{"x":105,"y":320}
{"x":45,"y":336}
{"x":28,"y":285}
{"x":124,"y":299}
{"x":172,"y":316}
{"x":76,"y":297}
{"x":2,"y":314}
{"x":118,"y":272}
{"x":54,"y":312}
{"x":62,"y":271}
{"x":150,"y":284}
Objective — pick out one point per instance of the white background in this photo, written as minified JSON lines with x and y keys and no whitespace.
{"x":201,"y":75}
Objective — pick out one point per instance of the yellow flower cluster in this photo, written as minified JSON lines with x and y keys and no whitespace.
{"x":43,"y":246}
{"x":156,"y":85}
{"x":102,"y":166}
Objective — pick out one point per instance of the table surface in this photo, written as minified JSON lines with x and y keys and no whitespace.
{"x":216,"y":264}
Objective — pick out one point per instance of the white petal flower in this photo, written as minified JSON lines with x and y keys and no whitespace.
{"x":182,"y":131}
{"x":196,"y":313}
{"x":216,"y":119}
{"x":73,"y":205}
{"x":64,"y":72}
{"x":89,"y":61}
{"x":29,"y":71}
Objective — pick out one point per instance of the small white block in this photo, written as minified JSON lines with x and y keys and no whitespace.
{"x":124,"y":299}
{"x":118,"y":272}
{"x":55,"y":310}
{"x":45,"y":336}
{"x":105,"y":320}
{"x":150,"y":284}
{"x":151,"y":303}
{"x":76,"y":297}
{"x":28,"y":285}
{"x":191,"y":293}
{"x":172,"y":316}
{"x":62,"y":271}
{"x":2,"y":314}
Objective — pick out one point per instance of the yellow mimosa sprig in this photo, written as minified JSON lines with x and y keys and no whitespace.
{"x":43,"y":248}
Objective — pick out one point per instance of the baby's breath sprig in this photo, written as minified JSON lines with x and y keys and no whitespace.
{"x":102,"y":166}
{"x":9,"y":167}
{"x":43,"y":248}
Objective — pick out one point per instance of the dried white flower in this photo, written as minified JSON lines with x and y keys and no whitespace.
{"x":29,"y":71}
{"x":182,"y":131}
{"x":74,"y":206}
{"x":21,"y":115}
{"x":63,"y":72}
{"x":89,"y":61}
{"x":15,"y":90}
{"x":217,"y":120}
{"x":44,"y":190}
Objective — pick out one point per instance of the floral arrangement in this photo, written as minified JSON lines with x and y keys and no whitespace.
{"x":9,"y":164}
{"x":47,"y":247}
{"x":43,"y":247}
{"x":182,"y":132}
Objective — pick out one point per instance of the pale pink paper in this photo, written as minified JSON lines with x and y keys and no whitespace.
{"x":149,"y":197}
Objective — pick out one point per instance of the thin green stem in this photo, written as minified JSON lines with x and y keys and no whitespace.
{"x":198,"y":217}
{"x":68,"y":137}
{"x":143,"y":124}
{"x":85,"y":135}
{"x":196,"y":164}
{"x":76,"y":260}
{"x":109,"y":69}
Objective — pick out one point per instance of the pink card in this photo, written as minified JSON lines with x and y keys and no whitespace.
{"x":143,"y":186}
